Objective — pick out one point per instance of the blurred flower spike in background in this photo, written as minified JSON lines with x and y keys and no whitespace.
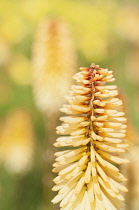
{"x":54,"y":60}
{"x":17,"y":142}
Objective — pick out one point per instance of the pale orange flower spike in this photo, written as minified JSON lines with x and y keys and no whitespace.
{"x":54,"y":61}
{"x":93,"y":134}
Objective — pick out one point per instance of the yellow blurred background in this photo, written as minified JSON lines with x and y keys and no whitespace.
{"x":42,"y":44}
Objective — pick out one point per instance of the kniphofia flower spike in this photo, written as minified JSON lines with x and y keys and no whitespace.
{"x":93,"y":137}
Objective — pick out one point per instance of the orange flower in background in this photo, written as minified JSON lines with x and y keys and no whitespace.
{"x":54,"y":63}
{"x":17,"y":142}
{"x":94,"y":133}
{"x":131,"y":133}
{"x":131,"y":172}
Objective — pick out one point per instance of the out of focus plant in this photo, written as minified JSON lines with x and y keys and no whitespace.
{"x":131,"y":172}
{"x":17,"y":142}
{"x":131,"y":133}
{"x":54,"y":63}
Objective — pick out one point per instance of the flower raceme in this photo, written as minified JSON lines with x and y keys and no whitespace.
{"x":53,"y":46}
{"x":94,"y":130}
{"x":17,"y":142}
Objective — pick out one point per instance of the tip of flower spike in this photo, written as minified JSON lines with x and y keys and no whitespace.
{"x":94,"y":66}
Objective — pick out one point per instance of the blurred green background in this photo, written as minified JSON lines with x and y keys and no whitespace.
{"x":103,"y":32}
